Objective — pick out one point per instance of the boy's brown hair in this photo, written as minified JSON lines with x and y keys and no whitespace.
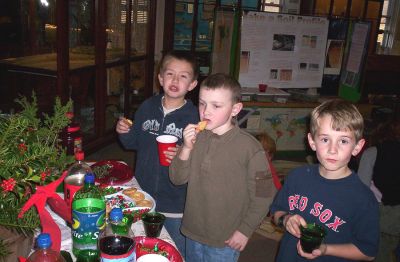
{"x":183,"y":56}
{"x":345,"y":117}
{"x":225,"y":81}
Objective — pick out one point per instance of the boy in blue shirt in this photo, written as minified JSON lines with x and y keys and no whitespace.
{"x":329,"y":194}
{"x":163,"y":114}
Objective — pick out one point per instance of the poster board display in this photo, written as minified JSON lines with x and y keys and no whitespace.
{"x":283,"y":51}
{"x":223,"y":41}
{"x":287,"y":126}
{"x":355,"y":56}
{"x":334,"y":54}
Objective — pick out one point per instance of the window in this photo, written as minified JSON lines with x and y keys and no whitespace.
{"x":386,"y":42}
{"x":271,"y":6}
{"x":141,"y":13}
{"x":139,"y":7}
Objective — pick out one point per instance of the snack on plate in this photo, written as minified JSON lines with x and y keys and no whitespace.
{"x":201,"y":126}
{"x":144,"y":203}
{"x":137,"y":196}
{"x":129,"y":191}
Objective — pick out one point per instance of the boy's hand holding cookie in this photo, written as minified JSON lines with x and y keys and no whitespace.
{"x":201,"y":126}
{"x":123,"y":125}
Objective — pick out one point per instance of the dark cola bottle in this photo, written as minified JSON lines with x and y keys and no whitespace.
{"x":71,"y":136}
{"x":117,"y":241}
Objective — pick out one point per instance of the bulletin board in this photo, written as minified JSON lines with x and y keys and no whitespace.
{"x":283,"y":51}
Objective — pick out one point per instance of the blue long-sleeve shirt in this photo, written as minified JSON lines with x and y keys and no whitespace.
{"x":150,"y":122}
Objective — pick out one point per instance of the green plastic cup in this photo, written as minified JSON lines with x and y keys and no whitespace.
{"x":311,"y":237}
{"x":153,"y":223}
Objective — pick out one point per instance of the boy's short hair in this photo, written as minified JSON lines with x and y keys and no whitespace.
{"x":225,"y":81}
{"x":184,"y":56}
{"x":345,"y":116}
{"x":267,"y":142}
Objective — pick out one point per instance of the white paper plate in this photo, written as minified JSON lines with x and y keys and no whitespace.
{"x":152,"y":258}
{"x":121,"y":200}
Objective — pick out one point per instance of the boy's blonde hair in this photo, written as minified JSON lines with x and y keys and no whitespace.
{"x":183,"y":56}
{"x":224,"y":81}
{"x":267,"y":142}
{"x":345,"y":117}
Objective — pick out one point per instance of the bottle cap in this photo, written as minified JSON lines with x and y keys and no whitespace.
{"x":89,"y":178}
{"x":43,"y":240}
{"x":116,"y":214}
{"x":79,"y":155}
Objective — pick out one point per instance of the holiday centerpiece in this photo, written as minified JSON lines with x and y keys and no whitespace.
{"x":31,"y":157}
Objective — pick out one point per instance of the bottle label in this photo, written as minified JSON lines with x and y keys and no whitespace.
{"x":128,"y":257}
{"x":77,"y":144}
{"x":87,"y":221}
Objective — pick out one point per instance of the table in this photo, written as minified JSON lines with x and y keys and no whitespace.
{"x":137,"y":227}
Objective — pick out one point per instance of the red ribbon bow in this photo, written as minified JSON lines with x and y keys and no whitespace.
{"x":48,"y":194}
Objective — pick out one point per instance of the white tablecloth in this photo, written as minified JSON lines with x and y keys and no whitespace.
{"x":137,"y":227}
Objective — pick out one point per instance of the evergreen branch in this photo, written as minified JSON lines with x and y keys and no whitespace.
{"x":4,"y":250}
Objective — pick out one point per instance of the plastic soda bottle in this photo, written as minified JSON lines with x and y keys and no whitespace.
{"x":71,"y":135}
{"x":88,"y":219}
{"x":117,"y":241}
{"x":44,"y":253}
{"x":75,"y":178}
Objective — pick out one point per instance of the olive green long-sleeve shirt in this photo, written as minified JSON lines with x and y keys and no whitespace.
{"x":229,"y":186}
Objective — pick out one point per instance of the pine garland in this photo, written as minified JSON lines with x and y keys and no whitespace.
{"x":4,"y":252}
{"x":31,"y":154}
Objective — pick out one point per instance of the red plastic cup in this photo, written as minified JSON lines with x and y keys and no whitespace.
{"x":262,"y":87}
{"x":164,"y":142}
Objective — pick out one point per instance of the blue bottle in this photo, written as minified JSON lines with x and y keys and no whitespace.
{"x":43,"y":252}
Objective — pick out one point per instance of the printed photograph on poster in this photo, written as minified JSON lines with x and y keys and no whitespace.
{"x":349,"y":78}
{"x":313,"y":41}
{"x":244,"y":61}
{"x":302,"y":66}
{"x":334,"y":56}
{"x":313,"y":67}
{"x":283,"y":42}
{"x":306,"y":41}
{"x":273,"y":74}
{"x":285,"y":75}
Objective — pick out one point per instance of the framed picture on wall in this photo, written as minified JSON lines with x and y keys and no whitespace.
{"x":208,"y":11}
{"x":180,"y":7}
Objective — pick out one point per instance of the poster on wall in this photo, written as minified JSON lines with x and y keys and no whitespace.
{"x":283,"y":51}
{"x":222,"y":41}
{"x":287,"y":126}
{"x":355,"y":56}
{"x":334,"y":56}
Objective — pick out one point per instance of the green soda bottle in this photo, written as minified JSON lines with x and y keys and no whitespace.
{"x":88,"y":219}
